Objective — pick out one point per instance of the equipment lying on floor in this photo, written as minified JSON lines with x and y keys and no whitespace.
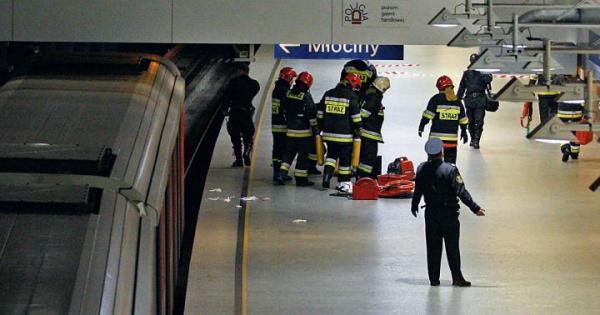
{"x":397,"y":183}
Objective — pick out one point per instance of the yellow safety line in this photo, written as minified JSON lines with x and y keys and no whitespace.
{"x":252,"y":165}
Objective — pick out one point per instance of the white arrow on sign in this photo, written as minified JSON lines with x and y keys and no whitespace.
{"x":285,"y":47}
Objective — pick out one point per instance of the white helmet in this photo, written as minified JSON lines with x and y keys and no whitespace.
{"x":382,"y":84}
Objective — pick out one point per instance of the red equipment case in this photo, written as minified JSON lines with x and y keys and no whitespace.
{"x":365,"y":189}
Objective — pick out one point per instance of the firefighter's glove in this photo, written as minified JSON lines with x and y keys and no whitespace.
{"x":464,"y":136}
{"x":316,"y":131}
{"x":414,"y":211}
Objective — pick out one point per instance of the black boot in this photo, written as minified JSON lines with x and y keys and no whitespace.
{"x":476,"y":138}
{"x":279,"y":179}
{"x":303,"y":182}
{"x":247,"y":154}
{"x":461,"y":283}
{"x":312,"y":169}
{"x":566,"y":151}
{"x":326,"y":179}
{"x":238,"y":157}
{"x":472,"y":134}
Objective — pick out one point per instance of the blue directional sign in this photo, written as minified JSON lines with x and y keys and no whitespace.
{"x":339,"y":51}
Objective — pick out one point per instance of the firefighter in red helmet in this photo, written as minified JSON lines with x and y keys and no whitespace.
{"x":447,"y":113}
{"x":278,"y":121}
{"x":301,"y":116}
{"x":340,"y":121}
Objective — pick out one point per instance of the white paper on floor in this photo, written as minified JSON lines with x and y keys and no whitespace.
{"x":227,"y":199}
{"x":213,"y":198}
{"x":299,"y":221}
{"x":251,"y":198}
{"x":216,"y":190}
{"x":238,"y":206}
{"x":266,"y":199}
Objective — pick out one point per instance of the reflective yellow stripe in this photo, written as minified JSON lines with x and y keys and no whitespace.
{"x":344,"y":172}
{"x":300,"y":173}
{"x":464,"y":121}
{"x":312,"y":157}
{"x":285,"y":167}
{"x":299,"y":135}
{"x":336,"y":139}
{"x":444,"y":136}
{"x":428,"y":114}
{"x":356,"y":119}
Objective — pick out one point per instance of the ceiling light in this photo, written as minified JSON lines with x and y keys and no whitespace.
{"x":444,"y":25}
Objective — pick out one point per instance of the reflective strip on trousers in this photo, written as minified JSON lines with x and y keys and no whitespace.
{"x":464,"y":121}
{"x":312,"y":157}
{"x":330,"y":162}
{"x":356,"y":118}
{"x":299,"y":133}
{"x":300,"y":173}
{"x":285,"y":166}
{"x":444,"y":136}
{"x":337,"y":137}
{"x":569,"y":114}
{"x":365,"y":168}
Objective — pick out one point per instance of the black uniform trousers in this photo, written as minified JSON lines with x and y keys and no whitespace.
{"x":548,"y":106}
{"x":342,"y":152}
{"x":368,"y":157}
{"x":300,"y":146}
{"x":442,"y":229}
{"x":241,"y":130}
{"x":476,"y":117}
{"x":279,"y":147}
{"x":450,"y":151}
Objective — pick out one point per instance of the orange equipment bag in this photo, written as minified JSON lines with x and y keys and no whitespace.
{"x":365,"y":189}
{"x":584,"y":137}
{"x":397,"y":188}
{"x":406,"y":169}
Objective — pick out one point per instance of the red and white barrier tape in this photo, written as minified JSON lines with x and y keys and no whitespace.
{"x":510,"y":76}
{"x":397,"y":65}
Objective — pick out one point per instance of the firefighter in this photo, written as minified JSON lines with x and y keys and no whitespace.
{"x":472,"y":89}
{"x":570,"y":111}
{"x":365,"y":71}
{"x":339,"y":115}
{"x":447,"y":113}
{"x":278,"y":121}
{"x":441,"y":185}
{"x":300,"y":112}
{"x":238,"y":106}
{"x":372,"y":115}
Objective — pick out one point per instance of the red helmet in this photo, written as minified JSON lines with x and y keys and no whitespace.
{"x":288,"y":74}
{"x":306,"y":78}
{"x":443,"y":82}
{"x":353,"y":80}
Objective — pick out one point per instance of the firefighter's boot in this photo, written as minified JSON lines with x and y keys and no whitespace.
{"x":326,"y":178}
{"x":238,"y":157}
{"x":566,"y":151}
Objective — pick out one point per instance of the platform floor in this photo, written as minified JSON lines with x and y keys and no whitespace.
{"x":536,"y":251}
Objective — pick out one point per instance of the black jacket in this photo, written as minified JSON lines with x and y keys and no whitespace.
{"x":441,"y":185}
{"x":372,"y":114}
{"x":473,"y":87}
{"x":339,"y":114}
{"x":300,"y":112}
{"x":446,"y":116}
{"x":239,"y":94}
{"x":278,"y":121}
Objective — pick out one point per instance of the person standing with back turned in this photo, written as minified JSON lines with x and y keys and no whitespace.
{"x":441,"y":185}
{"x":238,"y":105}
{"x":472,"y":89}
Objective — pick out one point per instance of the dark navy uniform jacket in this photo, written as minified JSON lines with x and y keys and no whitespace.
{"x":441,"y":185}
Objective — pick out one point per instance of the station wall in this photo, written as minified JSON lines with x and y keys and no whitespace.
{"x":223,"y":21}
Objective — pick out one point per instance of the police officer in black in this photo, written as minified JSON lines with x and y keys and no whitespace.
{"x":238,"y":105}
{"x":472,"y":89}
{"x":441,"y":185}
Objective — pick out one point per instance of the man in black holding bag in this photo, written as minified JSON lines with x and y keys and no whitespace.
{"x":472,"y":89}
{"x":441,"y":185}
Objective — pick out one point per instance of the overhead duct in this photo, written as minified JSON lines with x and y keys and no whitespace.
{"x":559,"y":16}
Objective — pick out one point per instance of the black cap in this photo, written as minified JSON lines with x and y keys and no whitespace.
{"x":434,"y":146}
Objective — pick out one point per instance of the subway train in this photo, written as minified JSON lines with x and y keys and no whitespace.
{"x":91,"y":185}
